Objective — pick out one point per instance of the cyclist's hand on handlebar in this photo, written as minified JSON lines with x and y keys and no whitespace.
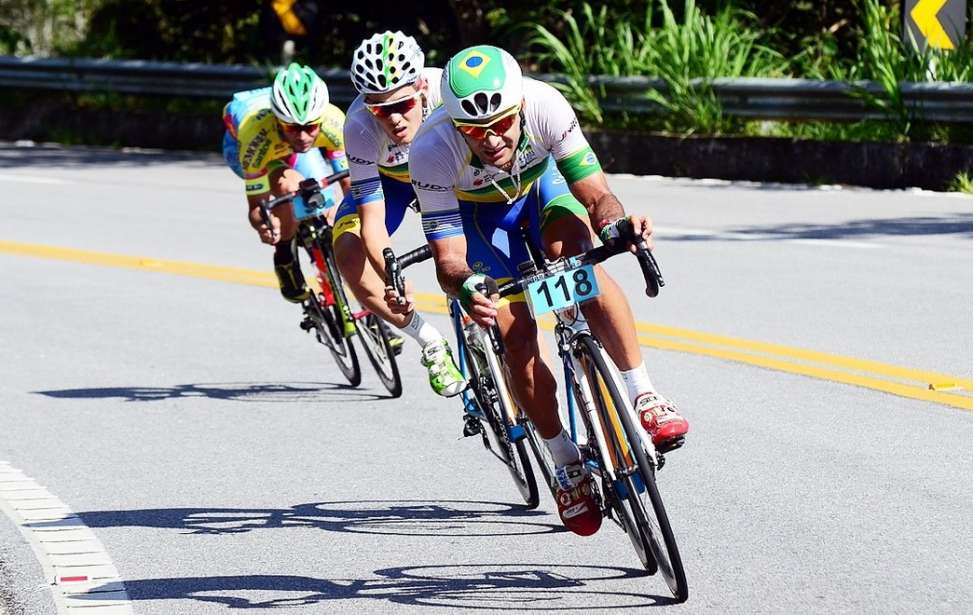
{"x":481,"y":308}
{"x":270,"y":234}
{"x":397,"y":303}
{"x":632,"y":229}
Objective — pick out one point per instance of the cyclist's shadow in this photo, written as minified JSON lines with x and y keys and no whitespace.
{"x":387,"y":517}
{"x":512,"y":587}
{"x":231,"y":391}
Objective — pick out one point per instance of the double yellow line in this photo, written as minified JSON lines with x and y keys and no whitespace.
{"x":924,"y":385}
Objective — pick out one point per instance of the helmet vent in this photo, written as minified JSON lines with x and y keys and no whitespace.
{"x":468,"y":107}
{"x":494,"y":101}
{"x":379,"y":64}
{"x":481,"y":102}
{"x":382,"y":81}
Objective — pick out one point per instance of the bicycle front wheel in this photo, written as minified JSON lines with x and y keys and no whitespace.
{"x":332,"y":319}
{"x":634,"y":481}
{"x":374,"y":336}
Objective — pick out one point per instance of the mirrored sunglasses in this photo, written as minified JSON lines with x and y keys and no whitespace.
{"x":400,"y":106}
{"x":498,"y":126}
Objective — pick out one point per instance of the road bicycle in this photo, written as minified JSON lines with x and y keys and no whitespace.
{"x":488,"y":407}
{"x":334,"y":319}
{"x":614,"y":446}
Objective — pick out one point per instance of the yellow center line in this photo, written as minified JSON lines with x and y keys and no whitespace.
{"x":903,"y":381}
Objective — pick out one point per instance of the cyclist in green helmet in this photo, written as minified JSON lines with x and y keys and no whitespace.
{"x":274,"y":138}
{"x":506,"y":149}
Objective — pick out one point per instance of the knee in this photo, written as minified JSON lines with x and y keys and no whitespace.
{"x":349,"y":257}
{"x":567,"y":236}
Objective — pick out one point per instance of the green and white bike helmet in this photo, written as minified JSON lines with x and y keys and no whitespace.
{"x":299,"y":96}
{"x":385,"y":62}
{"x":481,"y":82}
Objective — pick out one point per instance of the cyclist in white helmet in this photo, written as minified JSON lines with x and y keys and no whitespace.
{"x":274,"y":138}
{"x":506,"y":149}
{"x":396,"y":94}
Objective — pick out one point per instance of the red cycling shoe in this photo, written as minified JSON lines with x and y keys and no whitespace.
{"x":576,"y":503}
{"x":660,"y":419}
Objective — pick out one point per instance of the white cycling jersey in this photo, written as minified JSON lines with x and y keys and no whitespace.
{"x":445,"y":172}
{"x":370,"y":151}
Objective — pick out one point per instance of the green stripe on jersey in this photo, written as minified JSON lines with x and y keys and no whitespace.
{"x":579,"y":165}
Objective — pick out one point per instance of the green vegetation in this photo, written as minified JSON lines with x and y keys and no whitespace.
{"x":732,"y":43}
{"x":963,"y":182}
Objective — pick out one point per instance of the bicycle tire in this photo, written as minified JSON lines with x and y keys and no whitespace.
{"x":373,"y":334}
{"x":331,"y":332}
{"x":655,"y":524}
{"x":512,"y":453}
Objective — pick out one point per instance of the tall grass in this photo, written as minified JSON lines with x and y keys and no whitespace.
{"x":689,"y":51}
{"x":697,"y":47}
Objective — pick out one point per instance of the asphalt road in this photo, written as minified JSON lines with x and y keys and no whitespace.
{"x":213,"y":451}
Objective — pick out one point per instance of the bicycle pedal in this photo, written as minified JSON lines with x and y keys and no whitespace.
{"x":670,"y":445}
{"x":307,"y":324}
{"x":471,"y":427}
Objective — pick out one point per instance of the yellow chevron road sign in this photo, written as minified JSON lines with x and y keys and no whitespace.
{"x":940,"y":24}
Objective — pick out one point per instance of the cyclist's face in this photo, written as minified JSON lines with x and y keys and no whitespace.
{"x":300,"y":137}
{"x":399,"y":112}
{"x":496,"y":148}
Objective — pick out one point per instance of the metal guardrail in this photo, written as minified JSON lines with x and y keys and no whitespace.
{"x":754,"y":98}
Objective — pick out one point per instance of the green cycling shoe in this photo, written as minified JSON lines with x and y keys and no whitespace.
{"x":444,"y":377}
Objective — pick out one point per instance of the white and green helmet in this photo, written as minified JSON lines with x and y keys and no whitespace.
{"x":480,"y":82}
{"x":299,"y":96}
{"x":385,"y":62}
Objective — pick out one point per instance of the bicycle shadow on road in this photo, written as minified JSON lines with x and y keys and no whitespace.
{"x":230,"y":391}
{"x":505,"y":587}
{"x":466,"y":518}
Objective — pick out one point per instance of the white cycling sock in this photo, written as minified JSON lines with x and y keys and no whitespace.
{"x":637,"y":381}
{"x":421,"y":331}
{"x":563,"y":449}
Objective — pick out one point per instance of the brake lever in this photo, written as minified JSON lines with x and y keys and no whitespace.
{"x":393,"y":273}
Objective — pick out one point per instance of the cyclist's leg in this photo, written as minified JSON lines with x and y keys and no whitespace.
{"x":369,"y":287}
{"x":287,"y":265}
{"x":565,"y":231}
{"x":365,"y":283}
{"x":494,"y":249}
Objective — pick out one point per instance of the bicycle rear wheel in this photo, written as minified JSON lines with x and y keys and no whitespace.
{"x":374,"y":337}
{"x":635,"y":485}
{"x":507,"y":438}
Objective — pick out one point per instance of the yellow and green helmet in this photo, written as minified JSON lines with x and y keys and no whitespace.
{"x":481,"y":82}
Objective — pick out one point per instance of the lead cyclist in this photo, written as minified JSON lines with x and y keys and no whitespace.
{"x":396,"y":94}
{"x":505,"y":149}
{"x":273,"y":140}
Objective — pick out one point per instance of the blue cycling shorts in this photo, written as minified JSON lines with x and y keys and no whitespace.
{"x":398,"y":196}
{"x":493,"y":241}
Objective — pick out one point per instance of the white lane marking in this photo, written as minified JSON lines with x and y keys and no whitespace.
{"x":82,"y":577}
{"x":664,"y":231}
{"x":33,"y":179}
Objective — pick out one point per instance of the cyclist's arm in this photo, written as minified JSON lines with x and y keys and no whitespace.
{"x":579,"y":165}
{"x":433,"y":179}
{"x":374,"y":234}
{"x":363,"y":150}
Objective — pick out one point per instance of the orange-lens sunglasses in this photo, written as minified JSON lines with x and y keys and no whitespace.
{"x":400,"y":106}
{"x":299,"y":128}
{"x":498,"y":126}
